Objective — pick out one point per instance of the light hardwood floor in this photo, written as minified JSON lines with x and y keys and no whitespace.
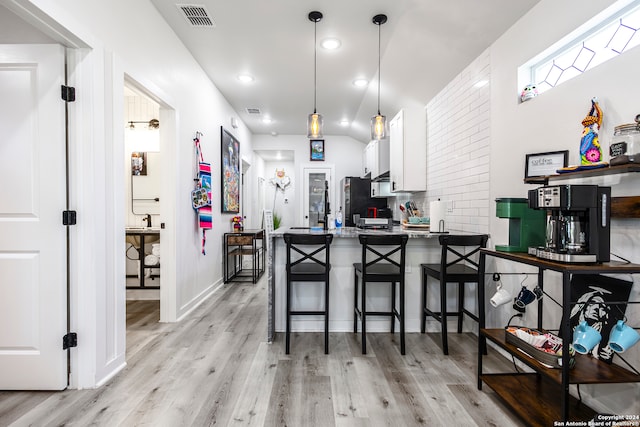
{"x":216,"y":368}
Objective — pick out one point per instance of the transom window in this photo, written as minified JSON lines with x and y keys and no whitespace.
{"x":606,"y":36}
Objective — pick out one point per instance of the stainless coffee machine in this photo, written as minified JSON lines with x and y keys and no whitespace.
{"x":578,"y":222}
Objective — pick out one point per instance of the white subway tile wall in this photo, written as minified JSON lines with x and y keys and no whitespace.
{"x":459,"y":148}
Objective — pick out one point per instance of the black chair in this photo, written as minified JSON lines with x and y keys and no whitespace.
{"x":456,"y":266}
{"x":308,"y":266}
{"x":379,"y":264}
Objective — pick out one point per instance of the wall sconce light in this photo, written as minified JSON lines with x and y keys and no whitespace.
{"x":151,"y":124}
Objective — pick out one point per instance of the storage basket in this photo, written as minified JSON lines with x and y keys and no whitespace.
{"x":552,"y":360}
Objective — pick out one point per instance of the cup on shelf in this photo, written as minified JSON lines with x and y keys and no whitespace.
{"x":501,"y":296}
{"x":622,"y":337}
{"x":585,"y":338}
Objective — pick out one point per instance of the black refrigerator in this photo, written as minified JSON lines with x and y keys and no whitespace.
{"x":356,"y":199}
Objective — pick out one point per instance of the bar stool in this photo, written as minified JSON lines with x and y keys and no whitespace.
{"x":379,"y":264}
{"x":453,"y":268}
{"x":309,"y":266}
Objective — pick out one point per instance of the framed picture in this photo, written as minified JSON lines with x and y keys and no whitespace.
{"x":544,"y":164}
{"x":138,"y":163}
{"x":230,"y":170}
{"x":316,"y":147}
{"x":600,"y":301}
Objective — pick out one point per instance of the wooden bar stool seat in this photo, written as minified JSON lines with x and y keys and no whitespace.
{"x":308,"y":261}
{"x":457,"y":265}
{"x":383,"y":260}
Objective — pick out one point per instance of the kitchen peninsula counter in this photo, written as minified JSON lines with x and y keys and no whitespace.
{"x":423,"y":247}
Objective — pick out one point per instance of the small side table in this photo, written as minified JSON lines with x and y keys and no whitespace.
{"x":239,"y":244}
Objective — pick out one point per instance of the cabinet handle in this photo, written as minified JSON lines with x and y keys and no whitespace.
{"x":393,"y":185}
{"x":373,"y":191}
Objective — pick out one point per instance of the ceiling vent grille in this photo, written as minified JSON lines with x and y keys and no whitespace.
{"x":253,"y":111}
{"x":196,"y":15}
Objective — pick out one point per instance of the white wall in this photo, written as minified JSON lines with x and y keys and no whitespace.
{"x":552,"y":122}
{"x":343,"y":152}
{"x":157,"y":60}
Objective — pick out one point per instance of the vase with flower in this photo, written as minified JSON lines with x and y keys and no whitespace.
{"x":236,"y":224}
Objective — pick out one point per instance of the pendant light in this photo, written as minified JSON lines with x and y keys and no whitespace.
{"x":314,"y":121}
{"x":379,"y":122}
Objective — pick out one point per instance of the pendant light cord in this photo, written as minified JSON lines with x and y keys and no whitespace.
{"x":315,"y":64}
{"x":379,"y":69}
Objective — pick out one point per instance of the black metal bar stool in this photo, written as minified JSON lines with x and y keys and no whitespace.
{"x":308,"y":265}
{"x":456,"y":266}
{"x":379,"y":264}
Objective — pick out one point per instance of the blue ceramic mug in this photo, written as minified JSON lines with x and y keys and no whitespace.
{"x":622,"y":337}
{"x":585,"y":338}
{"x":524,"y":297}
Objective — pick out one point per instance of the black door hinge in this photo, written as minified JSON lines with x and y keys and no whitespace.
{"x":69,"y":340}
{"x":68,"y":217}
{"x":68,"y":93}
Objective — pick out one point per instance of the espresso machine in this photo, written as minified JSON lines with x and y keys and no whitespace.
{"x":578,"y":222}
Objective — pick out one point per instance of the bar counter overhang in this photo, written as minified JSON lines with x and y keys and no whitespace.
{"x":423,"y":247}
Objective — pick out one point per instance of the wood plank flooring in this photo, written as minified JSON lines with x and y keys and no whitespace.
{"x":216,"y":368}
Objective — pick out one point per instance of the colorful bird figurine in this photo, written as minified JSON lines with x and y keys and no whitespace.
{"x":590,"y":149}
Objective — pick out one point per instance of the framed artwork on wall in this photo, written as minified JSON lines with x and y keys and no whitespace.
{"x":316,"y":147}
{"x":230,"y":170}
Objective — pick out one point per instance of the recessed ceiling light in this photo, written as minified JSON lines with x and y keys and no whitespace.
{"x":330,"y":43}
{"x":344,"y":122}
{"x":266,"y":120}
{"x":245,"y":78}
{"x":360,"y":82}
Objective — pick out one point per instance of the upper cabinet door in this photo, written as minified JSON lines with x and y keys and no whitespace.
{"x":408,"y":151}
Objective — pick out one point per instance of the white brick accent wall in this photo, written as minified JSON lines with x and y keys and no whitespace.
{"x":458,"y":152}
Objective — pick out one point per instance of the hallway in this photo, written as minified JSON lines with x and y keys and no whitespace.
{"x":216,"y":368}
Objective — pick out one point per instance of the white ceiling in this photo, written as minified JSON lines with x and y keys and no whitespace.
{"x":425,"y":43}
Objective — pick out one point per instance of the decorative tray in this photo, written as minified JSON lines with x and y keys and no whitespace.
{"x":550,"y":359}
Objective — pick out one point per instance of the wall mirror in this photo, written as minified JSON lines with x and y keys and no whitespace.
{"x":145,"y":183}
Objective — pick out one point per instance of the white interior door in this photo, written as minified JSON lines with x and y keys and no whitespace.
{"x":33,"y":302}
{"x":314,"y":195}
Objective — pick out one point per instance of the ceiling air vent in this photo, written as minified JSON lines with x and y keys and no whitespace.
{"x":196,"y":15}
{"x":253,"y":111}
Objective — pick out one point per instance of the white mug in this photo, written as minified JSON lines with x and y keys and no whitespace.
{"x":502,"y":296}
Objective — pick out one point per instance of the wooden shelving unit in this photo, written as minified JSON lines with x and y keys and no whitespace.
{"x":610,"y":170}
{"x":542,"y":397}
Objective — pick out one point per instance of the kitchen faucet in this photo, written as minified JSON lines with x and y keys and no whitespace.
{"x":148,"y":219}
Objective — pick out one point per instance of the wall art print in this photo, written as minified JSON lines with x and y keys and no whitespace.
{"x":601,"y":301}
{"x":230,"y":170}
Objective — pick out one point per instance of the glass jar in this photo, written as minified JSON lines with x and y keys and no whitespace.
{"x":626,"y":140}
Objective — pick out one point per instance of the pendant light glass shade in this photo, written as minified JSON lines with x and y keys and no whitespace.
{"x":378,"y":127}
{"x":379,"y":122}
{"x":314,"y":126}
{"x":314,"y":121}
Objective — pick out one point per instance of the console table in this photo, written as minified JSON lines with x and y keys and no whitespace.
{"x":244,"y":243}
{"x":542,"y":397}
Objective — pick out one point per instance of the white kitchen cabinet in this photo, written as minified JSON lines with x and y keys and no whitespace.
{"x":376,"y":159}
{"x":408,"y":151}
{"x":380,"y":189}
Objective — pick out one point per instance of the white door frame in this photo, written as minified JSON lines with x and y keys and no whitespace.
{"x":96,"y":192}
{"x":332,"y":187}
